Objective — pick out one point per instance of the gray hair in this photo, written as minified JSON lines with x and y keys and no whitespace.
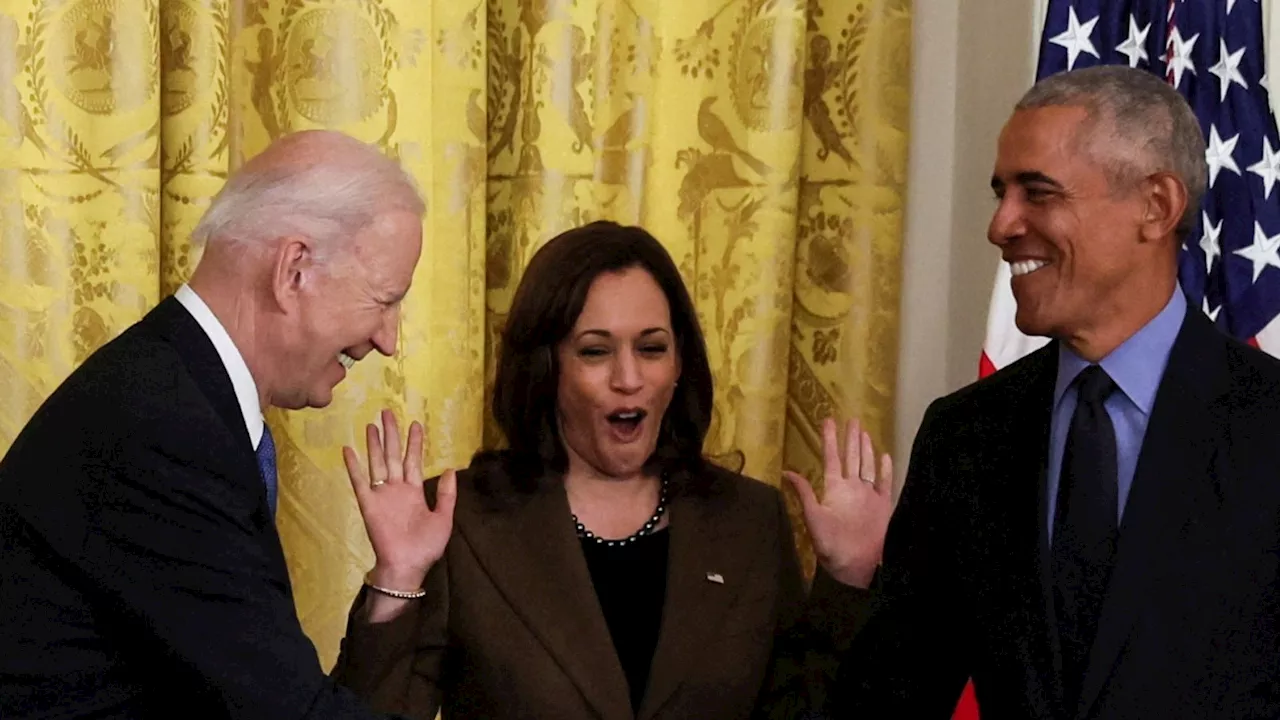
{"x":1150,"y":126}
{"x":322,"y":185}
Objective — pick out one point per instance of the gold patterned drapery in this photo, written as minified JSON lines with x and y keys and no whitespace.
{"x":763,"y":141}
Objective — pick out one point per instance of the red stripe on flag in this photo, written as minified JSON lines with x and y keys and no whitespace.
{"x":967,"y":709}
{"x":985,"y":366}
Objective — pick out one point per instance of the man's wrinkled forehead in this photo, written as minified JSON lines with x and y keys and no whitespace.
{"x":1040,"y":141}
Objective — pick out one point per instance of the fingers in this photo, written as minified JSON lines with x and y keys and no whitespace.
{"x":377,"y":463}
{"x":885,"y":485}
{"x":386,"y":463}
{"x":392,"y":459}
{"x":413,"y":454}
{"x":853,"y":450}
{"x":447,"y":493}
{"x":808,"y":500}
{"x":867,"y":466}
{"x":831,"y":467}
{"x":359,"y":481}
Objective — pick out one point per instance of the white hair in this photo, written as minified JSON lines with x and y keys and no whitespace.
{"x":338,"y":190}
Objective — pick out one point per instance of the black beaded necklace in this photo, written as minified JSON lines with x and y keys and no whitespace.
{"x":646,"y":529}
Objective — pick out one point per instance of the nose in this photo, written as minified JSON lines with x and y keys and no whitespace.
{"x":626,"y":376}
{"x":1007,"y":222}
{"x":384,"y":338}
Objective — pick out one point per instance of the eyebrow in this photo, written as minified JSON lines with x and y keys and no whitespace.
{"x":607,"y":334}
{"x":1027,"y":177}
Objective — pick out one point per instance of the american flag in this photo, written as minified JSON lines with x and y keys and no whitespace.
{"x":1212,"y":52}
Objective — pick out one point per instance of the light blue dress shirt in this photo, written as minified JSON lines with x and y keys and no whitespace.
{"x":1136,"y":367}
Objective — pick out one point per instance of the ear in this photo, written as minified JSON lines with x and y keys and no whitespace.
{"x":292,"y":270}
{"x":1166,"y":201}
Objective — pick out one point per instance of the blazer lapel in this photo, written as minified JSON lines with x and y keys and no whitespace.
{"x":1172,"y":481}
{"x":533,"y":556}
{"x":1031,"y":420}
{"x":171,"y":321}
{"x":704,"y":542}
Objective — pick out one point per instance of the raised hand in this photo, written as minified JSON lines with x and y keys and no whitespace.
{"x":408,"y":536}
{"x":849,"y":525}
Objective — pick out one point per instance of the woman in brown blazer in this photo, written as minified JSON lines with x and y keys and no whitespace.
{"x":599,"y":567}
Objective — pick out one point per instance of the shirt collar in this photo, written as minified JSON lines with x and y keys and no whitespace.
{"x":241,"y":379}
{"x":1138,"y":364}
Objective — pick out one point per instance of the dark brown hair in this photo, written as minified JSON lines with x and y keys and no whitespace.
{"x":546,"y":306}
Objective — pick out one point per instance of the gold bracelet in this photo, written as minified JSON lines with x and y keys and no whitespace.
{"x":401,"y":594}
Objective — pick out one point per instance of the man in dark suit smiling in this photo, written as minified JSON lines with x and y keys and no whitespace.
{"x":1094,"y":531}
{"x":142,"y":575}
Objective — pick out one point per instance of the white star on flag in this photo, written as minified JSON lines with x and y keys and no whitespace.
{"x":1076,"y":39}
{"x":1263,"y":252}
{"x":1180,"y":55}
{"x":1218,"y":154}
{"x":1268,"y":168}
{"x":1228,"y":68}
{"x":1209,"y":241}
{"x":1134,"y":47}
{"x":1213,"y":314}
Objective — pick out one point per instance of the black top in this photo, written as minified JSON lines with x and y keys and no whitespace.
{"x":631,"y":584}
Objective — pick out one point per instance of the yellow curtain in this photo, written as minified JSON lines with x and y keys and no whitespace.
{"x":763,"y":141}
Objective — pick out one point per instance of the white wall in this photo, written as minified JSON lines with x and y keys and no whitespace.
{"x":972,"y":59}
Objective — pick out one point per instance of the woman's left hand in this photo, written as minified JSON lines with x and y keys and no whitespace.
{"x":849,"y":524}
{"x":407,"y":535}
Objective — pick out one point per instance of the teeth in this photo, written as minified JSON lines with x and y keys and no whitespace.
{"x":1026,"y":267}
{"x":346,"y":360}
{"x":627,"y":416}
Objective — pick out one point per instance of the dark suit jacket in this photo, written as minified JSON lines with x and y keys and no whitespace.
{"x":511,"y":627}
{"x":142,"y":575}
{"x":1190,"y":627}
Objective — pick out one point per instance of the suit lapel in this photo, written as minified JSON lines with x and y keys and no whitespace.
{"x":704,"y":541}
{"x":1172,"y":481}
{"x":171,"y":321}
{"x":1031,"y":418}
{"x":533,"y":556}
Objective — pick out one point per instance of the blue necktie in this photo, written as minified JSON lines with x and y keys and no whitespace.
{"x":267,"y":465}
{"x":1085,"y":532}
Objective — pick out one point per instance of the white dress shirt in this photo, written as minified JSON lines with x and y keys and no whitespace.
{"x":246,"y":389}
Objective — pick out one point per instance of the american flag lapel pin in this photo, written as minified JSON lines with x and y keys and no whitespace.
{"x":716,"y":578}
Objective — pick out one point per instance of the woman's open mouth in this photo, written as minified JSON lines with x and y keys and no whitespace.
{"x":626,"y":423}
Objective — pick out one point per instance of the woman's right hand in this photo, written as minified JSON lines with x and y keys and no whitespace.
{"x":848,"y":526}
{"x":408,"y":536}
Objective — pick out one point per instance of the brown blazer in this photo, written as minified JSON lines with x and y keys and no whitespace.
{"x":511,"y":628}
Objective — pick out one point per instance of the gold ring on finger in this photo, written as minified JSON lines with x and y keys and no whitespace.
{"x":376,"y":483}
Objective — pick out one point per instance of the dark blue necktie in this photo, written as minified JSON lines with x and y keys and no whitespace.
{"x":267,"y":465}
{"x":1085,"y":529}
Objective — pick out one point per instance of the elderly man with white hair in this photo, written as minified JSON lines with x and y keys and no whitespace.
{"x":142,"y":575}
